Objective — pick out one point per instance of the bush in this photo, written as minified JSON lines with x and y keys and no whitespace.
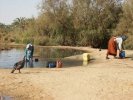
{"x":41,"y":41}
{"x":6,"y":38}
{"x":17,"y":40}
{"x":28,"y":40}
{"x":128,"y":44}
{"x":11,"y":39}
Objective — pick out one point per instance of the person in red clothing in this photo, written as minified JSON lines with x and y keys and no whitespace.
{"x":112,"y":48}
{"x":114,"y":44}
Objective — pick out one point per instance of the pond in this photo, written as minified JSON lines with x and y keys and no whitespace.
{"x":9,"y":57}
{"x":6,"y":98}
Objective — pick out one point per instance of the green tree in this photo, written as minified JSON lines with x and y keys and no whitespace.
{"x":95,"y":20}
{"x":125,"y":25}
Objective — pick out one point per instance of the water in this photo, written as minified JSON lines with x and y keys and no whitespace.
{"x":9,"y":57}
{"x":6,"y":98}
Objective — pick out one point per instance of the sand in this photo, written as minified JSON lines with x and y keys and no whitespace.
{"x":101,"y":79}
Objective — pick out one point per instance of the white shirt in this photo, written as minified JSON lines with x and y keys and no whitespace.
{"x":28,"y":45}
{"x":119,"y":42}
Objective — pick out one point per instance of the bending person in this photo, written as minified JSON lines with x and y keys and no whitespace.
{"x":114,"y":44}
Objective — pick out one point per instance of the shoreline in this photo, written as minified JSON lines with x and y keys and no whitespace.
{"x":100,"y":80}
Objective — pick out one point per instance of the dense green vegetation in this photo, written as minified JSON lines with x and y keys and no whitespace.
{"x":73,"y":22}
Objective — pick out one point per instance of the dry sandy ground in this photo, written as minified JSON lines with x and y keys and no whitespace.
{"x":101,"y":79}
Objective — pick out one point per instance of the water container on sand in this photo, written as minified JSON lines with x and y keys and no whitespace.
{"x":51,"y":64}
{"x":86,"y":57}
{"x":122,"y":54}
{"x":58,"y":64}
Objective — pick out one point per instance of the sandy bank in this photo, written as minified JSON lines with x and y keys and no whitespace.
{"x":100,"y":80}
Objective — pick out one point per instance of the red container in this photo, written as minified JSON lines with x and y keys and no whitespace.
{"x":58,"y":64}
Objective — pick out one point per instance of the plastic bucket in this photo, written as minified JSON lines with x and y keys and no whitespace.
{"x":122,"y":54}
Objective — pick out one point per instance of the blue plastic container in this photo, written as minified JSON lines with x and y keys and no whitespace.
{"x":122,"y":54}
{"x":51,"y":64}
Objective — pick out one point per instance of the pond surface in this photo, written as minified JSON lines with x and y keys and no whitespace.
{"x":6,"y":98}
{"x":9,"y":57}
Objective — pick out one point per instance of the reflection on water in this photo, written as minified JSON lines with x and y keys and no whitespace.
{"x":57,"y":53}
{"x":9,"y":57}
{"x":85,"y":63}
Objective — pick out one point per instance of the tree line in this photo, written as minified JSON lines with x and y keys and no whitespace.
{"x":73,"y":23}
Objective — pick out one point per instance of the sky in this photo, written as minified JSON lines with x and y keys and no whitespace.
{"x":12,"y":9}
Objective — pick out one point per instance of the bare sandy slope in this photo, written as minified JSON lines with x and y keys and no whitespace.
{"x":100,"y":80}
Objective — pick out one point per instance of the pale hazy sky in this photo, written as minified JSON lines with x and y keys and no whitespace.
{"x":11,"y":9}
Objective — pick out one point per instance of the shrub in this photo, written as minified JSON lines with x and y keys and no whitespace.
{"x":41,"y":41}
{"x":28,"y":40}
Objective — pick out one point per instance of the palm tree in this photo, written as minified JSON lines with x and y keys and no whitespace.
{"x":20,"y":23}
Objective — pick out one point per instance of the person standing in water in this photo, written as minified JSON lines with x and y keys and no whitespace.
{"x":29,"y":51}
